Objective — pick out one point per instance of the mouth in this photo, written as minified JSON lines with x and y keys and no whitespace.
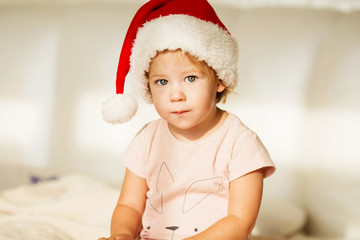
{"x":181,"y":112}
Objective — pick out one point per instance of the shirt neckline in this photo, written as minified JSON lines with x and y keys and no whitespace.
{"x":201,"y":141}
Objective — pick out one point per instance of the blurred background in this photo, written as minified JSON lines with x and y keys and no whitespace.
{"x":299,"y":90}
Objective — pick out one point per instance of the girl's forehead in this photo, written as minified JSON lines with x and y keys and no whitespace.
{"x":172,"y":58}
{"x":177,"y":55}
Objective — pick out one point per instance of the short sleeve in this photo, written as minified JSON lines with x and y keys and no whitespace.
{"x":249,"y":154}
{"x":134,"y":156}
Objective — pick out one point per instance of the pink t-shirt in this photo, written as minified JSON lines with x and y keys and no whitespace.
{"x":189,"y":181}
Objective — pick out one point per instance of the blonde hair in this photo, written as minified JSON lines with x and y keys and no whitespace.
{"x":205,"y":68}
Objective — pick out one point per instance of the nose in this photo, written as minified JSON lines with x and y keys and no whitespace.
{"x":177,"y":93}
{"x":173,"y":228}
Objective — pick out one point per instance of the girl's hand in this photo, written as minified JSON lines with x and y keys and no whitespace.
{"x":118,"y":237}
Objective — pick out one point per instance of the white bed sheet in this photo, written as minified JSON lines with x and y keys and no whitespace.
{"x":73,"y":207}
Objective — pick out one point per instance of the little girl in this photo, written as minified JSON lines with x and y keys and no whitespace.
{"x":197,"y":172}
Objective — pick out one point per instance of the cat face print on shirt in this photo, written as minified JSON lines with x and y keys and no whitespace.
{"x":178,"y":215}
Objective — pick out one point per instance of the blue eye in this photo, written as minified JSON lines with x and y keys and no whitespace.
{"x":161,"y":82}
{"x":190,"y":78}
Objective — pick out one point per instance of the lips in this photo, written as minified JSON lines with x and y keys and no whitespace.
{"x":180,"y":112}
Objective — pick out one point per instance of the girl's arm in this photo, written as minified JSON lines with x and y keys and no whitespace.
{"x":244,"y":203}
{"x":126,"y":219}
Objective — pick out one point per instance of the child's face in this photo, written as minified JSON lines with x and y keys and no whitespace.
{"x":182,"y":94}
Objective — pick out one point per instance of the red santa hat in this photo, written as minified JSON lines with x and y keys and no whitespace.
{"x":189,"y":25}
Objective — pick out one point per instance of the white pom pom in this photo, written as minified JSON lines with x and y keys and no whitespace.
{"x":119,"y":108}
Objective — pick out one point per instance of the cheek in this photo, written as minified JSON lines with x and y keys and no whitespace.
{"x":155,"y":95}
{"x":205,"y":98}
{"x":159,"y":104}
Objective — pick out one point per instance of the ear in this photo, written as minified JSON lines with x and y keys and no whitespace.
{"x":199,"y":190}
{"x":164,"y":179}
{"x":220,"y":87}
{"x":163,"y":182}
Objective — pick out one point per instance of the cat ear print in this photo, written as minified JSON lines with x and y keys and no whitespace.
{"x":164,"y":179}
{"x":163,"y":182}
{"x":203,"y":188}
{"x":156,"y":202}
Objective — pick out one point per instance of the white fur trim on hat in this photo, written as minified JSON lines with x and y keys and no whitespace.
{"x":119,"y":108}
{"x":202,"y":39}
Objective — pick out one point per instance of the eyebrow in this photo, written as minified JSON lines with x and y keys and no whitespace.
{"x":157,"y":76}
{"x":189,"y":71}
{"x":193,"y":71}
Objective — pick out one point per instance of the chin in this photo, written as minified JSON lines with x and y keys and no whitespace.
{"x":181,"y":124}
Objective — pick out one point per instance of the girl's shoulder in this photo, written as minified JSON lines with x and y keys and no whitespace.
{"x":236,"y":125}
{"x":239,"y":133}
{"x":152,"y":127}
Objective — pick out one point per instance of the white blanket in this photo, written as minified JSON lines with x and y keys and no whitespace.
{"x":73,"y":207}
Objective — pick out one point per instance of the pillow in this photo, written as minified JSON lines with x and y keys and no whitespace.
{"x":279,"y":218}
